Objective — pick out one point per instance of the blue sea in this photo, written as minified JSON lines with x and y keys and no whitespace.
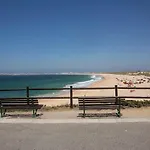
{"x":42,"y":81}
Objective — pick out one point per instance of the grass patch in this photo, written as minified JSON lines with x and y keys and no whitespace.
{"x":62,"y":107}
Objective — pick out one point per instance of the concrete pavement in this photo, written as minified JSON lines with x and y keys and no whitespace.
{"x":96,"y":136}
{"x":78,"y":121}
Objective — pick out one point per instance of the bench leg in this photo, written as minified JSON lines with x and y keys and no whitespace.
{"x":83,"y":113}
{"x":118,"y":109}
{"x":118,"y":113}
{"x":3,"y":112}
{"x":34,"y":113}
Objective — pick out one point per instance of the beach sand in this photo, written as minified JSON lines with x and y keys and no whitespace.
{"x":109,"y":80}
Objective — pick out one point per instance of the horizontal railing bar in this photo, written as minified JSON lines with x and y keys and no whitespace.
{"x":2,"y":98}
{"x":92,"y":88}
{"x":6,"y":90}
{"x":38,"y":98}
{"x":139,"y":97}
{"x":54,"y":97}
{"x":147,"y":97}
{"x":49,"y":88}
{"x":91,"y":96}
{"x":144,"y":88}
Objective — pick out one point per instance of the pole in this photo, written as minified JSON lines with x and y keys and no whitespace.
{"x":71,"y":99}
{"x":27,"y":94}
{"x":116,"y":93}
{"x":117,"y":100}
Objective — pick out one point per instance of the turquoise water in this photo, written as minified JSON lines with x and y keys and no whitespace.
{"x":42,"y":81}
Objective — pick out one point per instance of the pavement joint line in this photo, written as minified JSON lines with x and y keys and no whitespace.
{"x":63,"y":121}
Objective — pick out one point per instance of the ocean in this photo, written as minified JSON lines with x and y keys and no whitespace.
{"x":42,"y":81}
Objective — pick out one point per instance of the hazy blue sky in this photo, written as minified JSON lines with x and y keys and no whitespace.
{"x":74,"y":35}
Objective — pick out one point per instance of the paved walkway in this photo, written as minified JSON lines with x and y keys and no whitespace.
{"x":78,"y":121}
{"x":124,"y":136}
{"x":72,"y":116}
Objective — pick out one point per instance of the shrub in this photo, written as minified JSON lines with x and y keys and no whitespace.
{"x":135,"y":103}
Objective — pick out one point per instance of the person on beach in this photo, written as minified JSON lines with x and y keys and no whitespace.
{"x":130,"y":84}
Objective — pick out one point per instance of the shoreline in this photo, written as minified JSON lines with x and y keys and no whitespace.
{"x":63,"y":92}
{"x":108,"y":80}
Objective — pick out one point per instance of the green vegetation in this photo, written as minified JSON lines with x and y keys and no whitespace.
{"x":125,"y":104}
{"x":145,"y":73}
{"x":136,"y":104}
{"x":62,"y":107}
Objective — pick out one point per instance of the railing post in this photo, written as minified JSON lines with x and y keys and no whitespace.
{"x":84,"y":107}
{"x":27,"y":94}
{"x":116,"y":90}
{"x":71,"y":99}
{"x":117,"y":100}
{"x":116,"y":93}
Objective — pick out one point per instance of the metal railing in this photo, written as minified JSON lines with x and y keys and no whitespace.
{"x":71,"y":89}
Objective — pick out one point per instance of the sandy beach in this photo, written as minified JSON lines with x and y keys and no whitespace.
{"x":109,"y":80}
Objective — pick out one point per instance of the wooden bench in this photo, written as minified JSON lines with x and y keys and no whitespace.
{"x":99,"y":103}
{"x":31,"y":104}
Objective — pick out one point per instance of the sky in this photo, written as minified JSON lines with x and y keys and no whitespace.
{"x":74,"y":35}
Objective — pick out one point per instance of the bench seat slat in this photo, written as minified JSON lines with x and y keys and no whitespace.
{"x":92,"y":105}
{"x":90,"y":98}
{"x":23,"y":107}
{"x":100,"y":98}
{"x":18,"y":98}
{"x":13,"y":101}
{"x":98,"y":107}
{"x":19,"y":102}
{"x":97,"y":98}
{"x":94,"y":101}
{"x":99,"y":103}
{"x":30,"y":104}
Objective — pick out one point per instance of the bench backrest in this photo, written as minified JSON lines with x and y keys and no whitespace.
{"x":18,"y":102}
{"x":98,"y":103}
